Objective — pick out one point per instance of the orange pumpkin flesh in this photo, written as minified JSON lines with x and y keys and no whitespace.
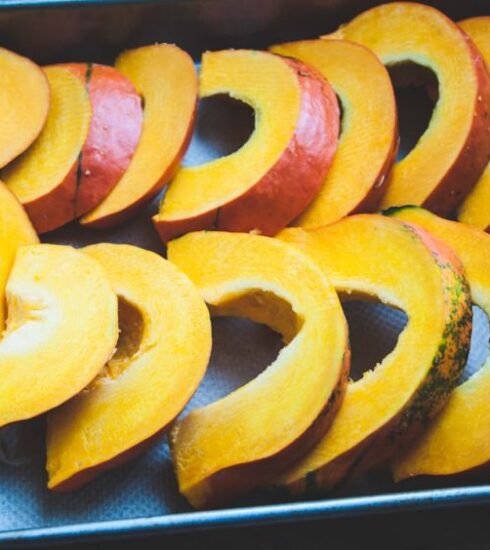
{"x":357,"y":178}
{"x":243,"y":440}
{"x":44,"y":178}
{"x":165,"y":77}
{"x":24,"y":97}
{"x":114,"y":132}
{"x":275,"y":175}
{"x":161,"y":356}
{"x":450,"y":156}
{"x":476,"y":208}
{"x":456,"y":441}
{"x":374,"y":256}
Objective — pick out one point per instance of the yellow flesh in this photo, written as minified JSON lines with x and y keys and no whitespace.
{"x":368,"y":123}
{"x":61,"y":329}
{"x":162,"y":355}
{"x":476,"y":208}
{"x":165,"y":77}
{"x":267,"y":414}
{"x":48,"y":161}
{"x":410,"y":32}
{"x":271,"y":88}
{"x":24,"y":101}
{"x":457,"y":440}
{"x":351,"y":254}
{"x":15,"y":230}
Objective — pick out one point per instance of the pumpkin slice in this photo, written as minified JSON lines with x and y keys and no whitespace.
{"x":357,"y":179}
{"x":24,"y":97}
{"x":162,"y":354}
{"x":457,"y":439}
{"x":451,"y":154}
{"x":165,"y":77}
{"x":241,"y":441}
{"x":44,"y":178}
{"x":476,"y":208}
{"x":61,"y":329}
{"x":115,"y":129}
{"x":377,"y":257}
{"x":276,"y":174}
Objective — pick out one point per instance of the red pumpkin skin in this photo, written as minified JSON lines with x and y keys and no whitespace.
{"x":292,"y":183}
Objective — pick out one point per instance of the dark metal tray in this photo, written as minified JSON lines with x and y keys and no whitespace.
{"x":142,"y":497}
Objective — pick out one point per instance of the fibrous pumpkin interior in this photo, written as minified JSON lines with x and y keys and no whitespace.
{"x":24,"y":97}
{"x":61,"y":329}
{"x":371,"y":256}
{"x":165,"y":77}
{"x":368,"y":138}
{"x":476,"y":208}
{"x":456,"y":440}
{"x":260,"y":421}
{"x":161,"y":356}
{"x":409,"y":32}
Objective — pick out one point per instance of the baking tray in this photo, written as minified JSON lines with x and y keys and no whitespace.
{"x":141,"y":497}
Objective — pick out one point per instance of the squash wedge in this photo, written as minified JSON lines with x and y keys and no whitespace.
{"x":240,"y":442}
{"x":456,"y":440}
{"x":368,"y":138}
{"x":451,"y":154}
{"x":161,"y":356}
{"x":374,"y":256}
{"x":61,"y":329}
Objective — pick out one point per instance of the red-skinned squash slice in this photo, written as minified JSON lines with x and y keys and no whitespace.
{"x":456,"y":441}
{"x":44,"y":178}
{"x":114,"y":132}
{"x":451,"y":154}
{"x":368,"y":140}
{"x":476,"y":208}
{"x":275,"y":175}
{"x":241,"y":441}
{"x":165,"y":77}
{"x":403,"y":266}
{"x":161,"y":356}
{"x":24,"y":97}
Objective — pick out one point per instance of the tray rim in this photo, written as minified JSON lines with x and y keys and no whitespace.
{"x":248,"y":516}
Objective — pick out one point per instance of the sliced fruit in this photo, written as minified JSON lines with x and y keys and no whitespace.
{"x":114,"y":133}
{"x":476,"y":208}
{"x":15,"y":230}
{"x":451,"y":154}
{"x":61,"y":329}
{"x":24,"y":97}
{"x":456,"y":440}
{"x":368,"y":141}
{"x":241,"y":441}
{"x":161,"y":356}
{"x":44,"y":178}
{"x":276,"y":174}
{"x":165,"y":77}
{"x":376,"y":257}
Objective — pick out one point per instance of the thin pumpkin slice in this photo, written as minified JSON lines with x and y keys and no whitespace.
{"x":456,"y":441}
{"x":271,"y":179}
{"x":451,"y":154}
{"x":114,"y":133}
{"x":371,"y":256}
{"x":475,"y":210}
{"x":161,"y":356}
{"x":24,"y":100}
{"x":44,"y":178}
{"x":241,"y":441}
{"x":165,"y":77}
{"x":15,"y":230}
{"x":365,"y":154}
{"x":61,"y":329}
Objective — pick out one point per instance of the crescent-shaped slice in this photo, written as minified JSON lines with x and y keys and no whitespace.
{"x":243,"y":440}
